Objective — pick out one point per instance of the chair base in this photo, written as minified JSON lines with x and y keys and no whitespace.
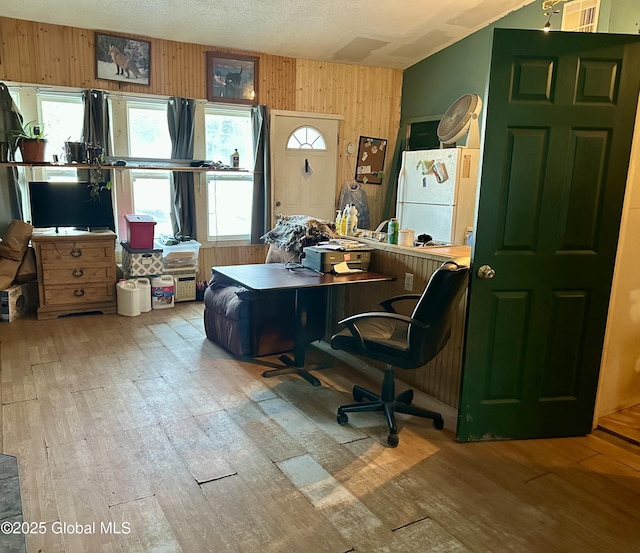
{"x":389,"y":403}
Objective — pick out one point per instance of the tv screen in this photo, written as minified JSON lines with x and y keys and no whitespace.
{"x":69,"y":204}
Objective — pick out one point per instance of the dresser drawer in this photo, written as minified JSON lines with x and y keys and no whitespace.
{"x":72,"y":253}
{"x":79,"y":294}
{"x":72,"y":275}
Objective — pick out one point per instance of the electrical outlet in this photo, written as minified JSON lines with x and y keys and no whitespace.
{"x":408,"y":282}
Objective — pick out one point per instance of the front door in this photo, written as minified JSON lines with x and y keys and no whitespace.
{"x":559,"y":124}
{"x":304,"y":150}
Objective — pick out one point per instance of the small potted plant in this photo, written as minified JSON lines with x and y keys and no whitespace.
{"x":31,"y":141}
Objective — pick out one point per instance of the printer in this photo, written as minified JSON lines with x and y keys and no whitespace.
{"x":323,"y":259}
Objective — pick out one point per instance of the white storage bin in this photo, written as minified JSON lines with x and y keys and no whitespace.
{"x":184,"y":254}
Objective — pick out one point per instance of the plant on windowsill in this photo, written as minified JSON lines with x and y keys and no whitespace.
{"x":95,"y":158}
{"x":31,"y":141}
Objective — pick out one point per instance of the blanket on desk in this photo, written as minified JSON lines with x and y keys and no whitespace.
{"x":295,"y":232}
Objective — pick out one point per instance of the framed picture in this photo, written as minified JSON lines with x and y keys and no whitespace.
{"x":370,"y":162}
{"x":126,"y":60}
{"x":232,"y":78}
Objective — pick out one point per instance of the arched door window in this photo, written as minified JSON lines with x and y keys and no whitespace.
{"x":308,"y":138}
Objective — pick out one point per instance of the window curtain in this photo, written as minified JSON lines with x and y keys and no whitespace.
{"x":181,"y":114}
{"x":95,"y":133}
{"x":10,"y":196}
{"x":260,"y":216}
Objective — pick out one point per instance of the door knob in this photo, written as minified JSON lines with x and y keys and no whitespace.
{"x":486,"y":272}
{"x":278,"y":204}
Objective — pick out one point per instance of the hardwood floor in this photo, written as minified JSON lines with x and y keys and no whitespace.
{"x":625,"y":424}
{"x":155,"y":440}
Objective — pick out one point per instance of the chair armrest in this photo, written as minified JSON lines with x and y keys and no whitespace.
{"x":351,"y":322}
{"x":387,"y":304}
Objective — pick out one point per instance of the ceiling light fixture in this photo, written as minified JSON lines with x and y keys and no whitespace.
{"x":547,"y":7}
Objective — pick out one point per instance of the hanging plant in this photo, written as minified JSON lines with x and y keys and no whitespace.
{"x":95,"y":157}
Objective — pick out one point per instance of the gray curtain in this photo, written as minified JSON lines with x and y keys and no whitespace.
{"x":260,"y":217}
{"x":10,"y":196}
{"x":95,"y":132}
{"x":180,"y":113}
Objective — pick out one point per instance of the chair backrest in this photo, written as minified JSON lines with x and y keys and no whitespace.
{"x":436,"y":308}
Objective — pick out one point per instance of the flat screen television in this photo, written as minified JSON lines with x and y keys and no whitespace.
{"x":69,"y":204}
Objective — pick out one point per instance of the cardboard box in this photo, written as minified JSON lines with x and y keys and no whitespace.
{"x":138,"y":263}
{"x":18,"y":300}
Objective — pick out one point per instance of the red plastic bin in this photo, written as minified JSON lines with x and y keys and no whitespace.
{"x":140,"y":229}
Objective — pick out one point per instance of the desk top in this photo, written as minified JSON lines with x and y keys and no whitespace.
{"x":274,"y":276}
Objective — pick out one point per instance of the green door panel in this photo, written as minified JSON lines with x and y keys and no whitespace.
{"x":560,"y":111}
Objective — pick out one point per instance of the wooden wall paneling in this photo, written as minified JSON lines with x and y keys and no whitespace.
{"x":368,"y":98}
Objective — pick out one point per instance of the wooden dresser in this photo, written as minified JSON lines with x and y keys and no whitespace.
{"x":76,"y":272}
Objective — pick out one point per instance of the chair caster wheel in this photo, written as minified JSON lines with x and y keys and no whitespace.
{"x":393,"y":440}
{"x":438,"y":423}
{"x":342,"y":418}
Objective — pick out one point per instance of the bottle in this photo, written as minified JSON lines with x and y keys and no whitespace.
{"x":349,"y":224}
{"x":352,"y":225}
{"x":338,"y":220}
{"x":235,"y":159}
{"x":343,"y":222}
{"x":392,"y":231}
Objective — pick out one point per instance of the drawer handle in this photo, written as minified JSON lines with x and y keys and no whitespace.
{"x":77,"y":273}
{"x":75,"y":252}
{"x":78,"y":292}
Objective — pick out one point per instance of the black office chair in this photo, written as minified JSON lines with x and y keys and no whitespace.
{"x":401,"y":341}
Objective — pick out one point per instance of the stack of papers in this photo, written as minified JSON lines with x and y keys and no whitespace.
{"x":343,"y":244}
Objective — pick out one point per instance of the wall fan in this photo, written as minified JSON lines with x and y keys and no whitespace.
{"x":461,"y":118}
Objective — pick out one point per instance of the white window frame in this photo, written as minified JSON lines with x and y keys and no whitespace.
{"x":210,"y":176}
{"x":580,"y":8}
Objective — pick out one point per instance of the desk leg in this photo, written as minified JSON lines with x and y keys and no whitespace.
{"x":310,"y":302}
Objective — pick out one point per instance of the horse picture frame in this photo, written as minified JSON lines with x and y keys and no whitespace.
{"x":232,"y":78}
{"x":122,"y":59}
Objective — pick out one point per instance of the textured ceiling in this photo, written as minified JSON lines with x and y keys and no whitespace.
{"x":386,"y":33}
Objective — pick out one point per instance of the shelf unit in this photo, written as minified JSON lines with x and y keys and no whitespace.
{"x":154,"y":167}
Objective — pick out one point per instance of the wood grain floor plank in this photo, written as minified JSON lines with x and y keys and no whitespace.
{"x":78,"y":496}
{"x":266,"y":433}
{"x":150,"y":530}
{"x":385,"y":502}
{"x":624,"y":424}
{"x":130,"y":406}
{"x":195,"y":526}
{"x":275,"y":493}
{"x":197,"y":390}
{"x":160,"y":396}
{"x":17,"y":381}
{"x":204,"y":458}
{"x":243,"y":513}
{"x":61,"y":420}
{"x":24,"y":438}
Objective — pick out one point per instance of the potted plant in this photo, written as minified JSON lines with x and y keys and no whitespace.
{"x":30,"y":140}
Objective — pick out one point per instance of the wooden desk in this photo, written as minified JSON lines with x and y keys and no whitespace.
{"x":275,"y":276}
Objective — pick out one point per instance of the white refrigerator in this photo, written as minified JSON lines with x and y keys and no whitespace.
{"x":437,"y":192}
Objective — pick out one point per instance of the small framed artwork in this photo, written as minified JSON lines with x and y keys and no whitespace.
{"x":126,"y":60}
{"x":232,"y":78}
{"x":370,"y":163}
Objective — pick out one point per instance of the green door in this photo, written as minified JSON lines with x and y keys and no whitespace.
{"x":560,"y":112}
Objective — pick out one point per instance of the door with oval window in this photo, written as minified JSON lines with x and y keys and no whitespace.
{"x":304,"y":170}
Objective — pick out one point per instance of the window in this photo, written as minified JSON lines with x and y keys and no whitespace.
{"x":62,"y":116}
{"x":308,"y":138}
{"x":149,"y":138}
{"x":229,"y":194}
{"x":581,"y":16}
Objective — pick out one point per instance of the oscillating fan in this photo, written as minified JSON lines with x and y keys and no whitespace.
{"x":461,"y":118}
